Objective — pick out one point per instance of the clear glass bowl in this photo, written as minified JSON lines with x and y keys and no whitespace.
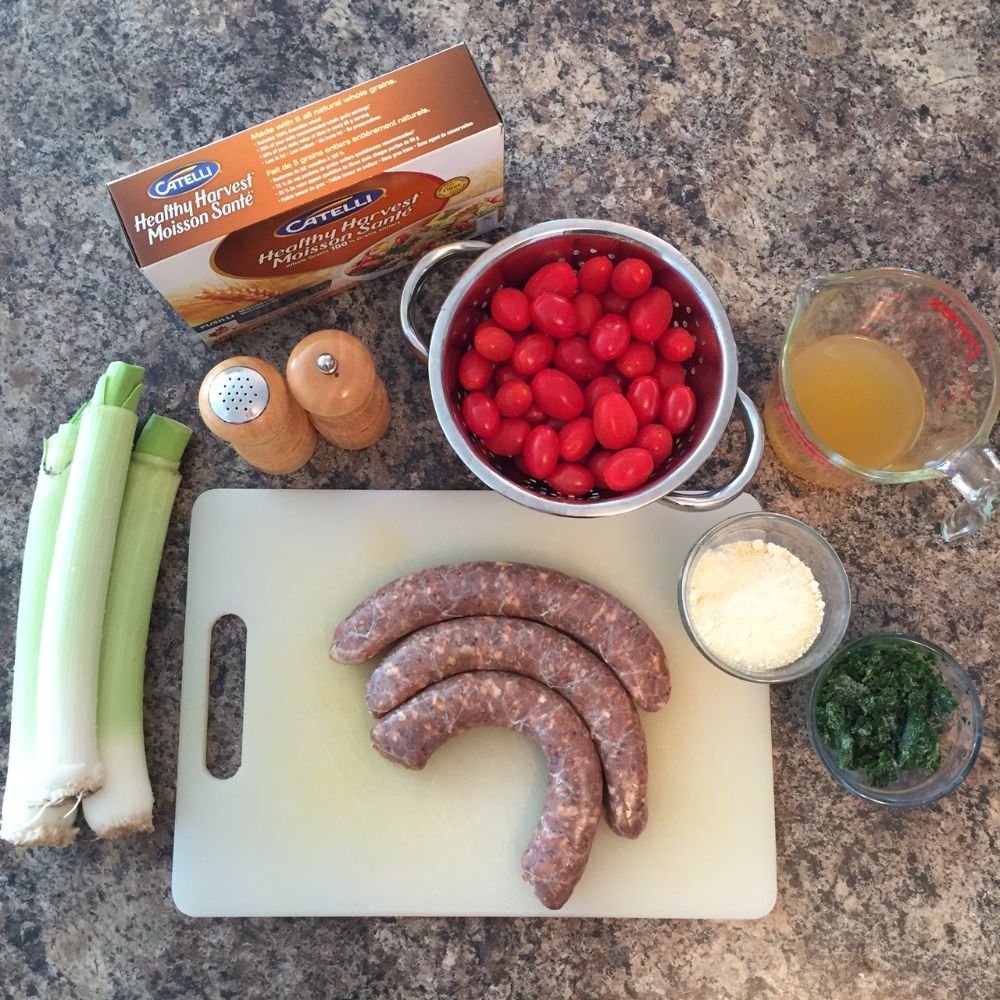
{"x":814,"y":551}
{"x":960,"y":739}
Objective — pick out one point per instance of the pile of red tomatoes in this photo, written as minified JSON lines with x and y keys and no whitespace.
{"x":578,"y":376}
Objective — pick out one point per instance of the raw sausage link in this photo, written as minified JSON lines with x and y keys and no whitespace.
{"x":587,"y":613}
{"x":524,"y":647}
{"x":560,"y":845}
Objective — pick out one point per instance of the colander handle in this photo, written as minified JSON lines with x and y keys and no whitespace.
{"x":422,"y":270}
{"x":711,"y":499}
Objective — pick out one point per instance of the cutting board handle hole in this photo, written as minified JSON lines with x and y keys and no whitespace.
{"x":226,"y":685}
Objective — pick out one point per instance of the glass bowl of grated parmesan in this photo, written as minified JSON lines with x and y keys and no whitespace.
{"x":764,"y":597}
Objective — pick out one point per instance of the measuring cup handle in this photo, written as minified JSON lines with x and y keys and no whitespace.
{"x":975,"y":472}
{"x":422,"y":270}
{"x":711,"y":499}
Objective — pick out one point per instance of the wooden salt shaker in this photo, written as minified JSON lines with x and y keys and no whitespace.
{"x":245,"y":402}
{"x":331,"y":374}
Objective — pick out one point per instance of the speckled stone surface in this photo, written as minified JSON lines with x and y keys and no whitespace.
{"x":767,"y":140}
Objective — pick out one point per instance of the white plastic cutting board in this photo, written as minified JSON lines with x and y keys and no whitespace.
{"x":315,"y":822}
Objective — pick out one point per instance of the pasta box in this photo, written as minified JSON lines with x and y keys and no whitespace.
{"x":310,"y":203}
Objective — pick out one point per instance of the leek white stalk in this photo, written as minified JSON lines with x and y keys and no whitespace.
{"x":21,"y":822}
{"x":124,"y":803}
{"x":70,"y":648}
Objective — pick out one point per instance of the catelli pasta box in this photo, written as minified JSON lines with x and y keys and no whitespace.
{"x":308,"y":204}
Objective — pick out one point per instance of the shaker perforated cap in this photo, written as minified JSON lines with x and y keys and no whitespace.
{"x":238,"y":395}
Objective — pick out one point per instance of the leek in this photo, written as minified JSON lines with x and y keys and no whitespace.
{"x":20,"y":822}
{"x":124,"y":803}
{"x":68,"y":765}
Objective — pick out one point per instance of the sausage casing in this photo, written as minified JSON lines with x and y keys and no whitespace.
{"x":560,"y":845}
{"x":537,"y":651}
{"x":517,"y":590}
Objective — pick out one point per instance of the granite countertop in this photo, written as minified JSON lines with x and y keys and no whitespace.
{"x":767,"y":140}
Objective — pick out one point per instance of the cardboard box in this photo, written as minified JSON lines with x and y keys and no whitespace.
{"x":308,"y":204}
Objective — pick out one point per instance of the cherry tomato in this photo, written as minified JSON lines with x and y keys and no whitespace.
{"x":513,"y":398}
{"x":644,"y":397}
{"x":602,"y":386}
{"x":480,"y":414}
{"x":597,"y":464}
{"x":628,"y":468}
{"x":615,"y":423}
{"x":510,"y":308}
{"x":609,"y":337}
{"x":612,"y":302}
{"x":631,"y":277}
{"x":588,"y":310}
{"x":676,"y":344}
{"x":554,"y":315}
{"x":666,"y":373}
{"x":678,"y":408}
{"x":519,"y":462}
{"x":474,"y":371}
{"x":533,"y":353}
{"x":657,"y":440}
{"x":575,"y":358}
{"x":493,"y":342}
{"x":541,"y":451}
{"x":637,"y":359}
{"x":509,"y":439}
{"x":576,"y":439}
{"x":535,"y":415}
{"x":557,"y":394}
{"x":505,"y":373}
{"x":570,"y":479}
{"x":650,"y":314}
{"x":595,"y":275}
{"x":558,"y":277}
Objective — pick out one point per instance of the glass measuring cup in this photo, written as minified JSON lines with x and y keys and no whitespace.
{"x":954,"y":357}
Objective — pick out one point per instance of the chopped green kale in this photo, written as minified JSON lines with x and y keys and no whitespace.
{"x":881,"y":709}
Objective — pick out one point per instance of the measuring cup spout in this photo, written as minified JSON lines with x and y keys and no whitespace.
{"x":809,"y":290}
{"x":975,"y":472}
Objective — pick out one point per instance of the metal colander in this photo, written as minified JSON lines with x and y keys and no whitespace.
{"x":711,"y":370}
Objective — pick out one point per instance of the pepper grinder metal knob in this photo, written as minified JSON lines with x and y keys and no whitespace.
{"x":245,"y":402}
{"x":332,"y":375}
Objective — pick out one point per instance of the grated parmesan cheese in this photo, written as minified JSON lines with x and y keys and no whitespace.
{"x":754,"y":604}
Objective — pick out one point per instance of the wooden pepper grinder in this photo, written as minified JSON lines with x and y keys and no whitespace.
{"x":245,"y":402}
{"x":331,"y":374}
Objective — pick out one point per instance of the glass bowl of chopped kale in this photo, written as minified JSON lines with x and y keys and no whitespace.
{"x":896,"y":720}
